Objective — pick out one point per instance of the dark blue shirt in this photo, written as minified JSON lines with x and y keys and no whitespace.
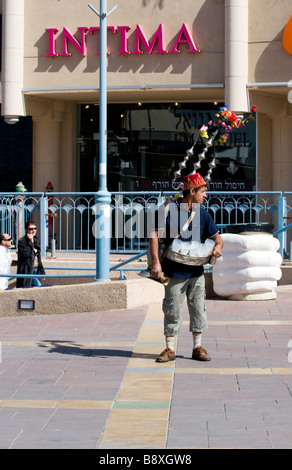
{"x":208,"y":229}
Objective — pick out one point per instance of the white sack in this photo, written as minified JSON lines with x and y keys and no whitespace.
{"x":193,"y":248}
{"x":226,"y":290}
{"x":261,"y":242}
{"x":254,"y":273}
{"x":231,"y":259}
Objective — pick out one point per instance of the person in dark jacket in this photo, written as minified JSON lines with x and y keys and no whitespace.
{"x":29,"y":257}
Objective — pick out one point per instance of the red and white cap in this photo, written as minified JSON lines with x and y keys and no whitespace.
{"x":194,"y":181}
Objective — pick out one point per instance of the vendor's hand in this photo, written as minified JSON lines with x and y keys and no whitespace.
{"x":156,"y":270}
{"x":30,"y":237}
{"x":217,"y":251}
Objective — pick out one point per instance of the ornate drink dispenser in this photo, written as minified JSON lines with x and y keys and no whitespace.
{"x":215,"y":133}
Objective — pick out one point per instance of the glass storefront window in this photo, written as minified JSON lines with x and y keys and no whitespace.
{"x":16,"y":149}
{"x":146,"y":143}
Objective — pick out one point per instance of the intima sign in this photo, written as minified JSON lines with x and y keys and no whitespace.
{"x":156,"y":46}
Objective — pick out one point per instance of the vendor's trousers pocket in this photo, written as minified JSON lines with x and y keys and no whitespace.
{"x":172,"y":317}
{"x":167,"y":307}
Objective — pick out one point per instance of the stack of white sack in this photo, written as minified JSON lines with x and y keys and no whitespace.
{"x":249,"y":267}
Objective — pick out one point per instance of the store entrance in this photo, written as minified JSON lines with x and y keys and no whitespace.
{"x":146,"y":143}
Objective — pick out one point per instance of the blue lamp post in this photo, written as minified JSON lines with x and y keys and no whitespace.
{"x":103,"y":197}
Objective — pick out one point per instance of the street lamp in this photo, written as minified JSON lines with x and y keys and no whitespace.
{"x":103,"y":197}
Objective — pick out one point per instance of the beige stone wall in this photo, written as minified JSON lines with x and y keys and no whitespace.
{"x":54,"y":115}
{"x":54,"y":112}
{"x":268,"y":60}
{"x":207,"y":27}
{"x":54,"y":143}
{"x":90,"y":297}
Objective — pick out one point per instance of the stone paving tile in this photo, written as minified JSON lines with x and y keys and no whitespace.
{"x":57,"y":439}
{"x":52,"y":366}
{"x":237,"y":410}
{"x":90,"y":380}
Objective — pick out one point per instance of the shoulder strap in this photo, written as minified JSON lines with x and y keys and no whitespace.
{"x":186,"y":225}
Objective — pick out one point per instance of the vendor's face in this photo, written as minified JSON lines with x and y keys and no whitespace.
{"x":199,"y":196}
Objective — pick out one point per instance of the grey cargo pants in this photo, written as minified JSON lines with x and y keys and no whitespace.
{"x":175,"y":293}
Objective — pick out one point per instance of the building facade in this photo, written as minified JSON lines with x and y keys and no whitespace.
{"x":170,"y":66}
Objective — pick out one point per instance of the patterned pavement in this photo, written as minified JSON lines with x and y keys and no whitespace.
{"x":90,"y":380}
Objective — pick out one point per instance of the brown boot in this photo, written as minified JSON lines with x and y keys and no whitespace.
{"x":200,"y":354}
{"x":166,"y":356}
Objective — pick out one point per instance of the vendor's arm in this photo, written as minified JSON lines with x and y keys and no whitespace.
{"x":156,"y":270}
{"x":217,"y":250}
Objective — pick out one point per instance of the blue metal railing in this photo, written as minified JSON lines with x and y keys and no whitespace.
{"x":118,"y":267}
{"x":67,"y":218}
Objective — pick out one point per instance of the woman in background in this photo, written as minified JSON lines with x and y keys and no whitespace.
{"x":29,"y":257}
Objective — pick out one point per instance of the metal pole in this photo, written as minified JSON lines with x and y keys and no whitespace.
{"x":103,"y":97}
{"x":103,"y":197}
{"x":282,"y":211}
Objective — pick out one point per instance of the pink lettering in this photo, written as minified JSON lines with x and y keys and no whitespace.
{"x":188,"y":40}
{"x":80,"y":47}
{"x":156,"y":46}
{"x":159,"y":37}
{"x":124,"y":39}
{"x":96,"y":28}
{"x":92,"y":29}
{"x":52,"y":42}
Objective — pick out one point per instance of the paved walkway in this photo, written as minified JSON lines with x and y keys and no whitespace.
{"x":89,"y":380}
